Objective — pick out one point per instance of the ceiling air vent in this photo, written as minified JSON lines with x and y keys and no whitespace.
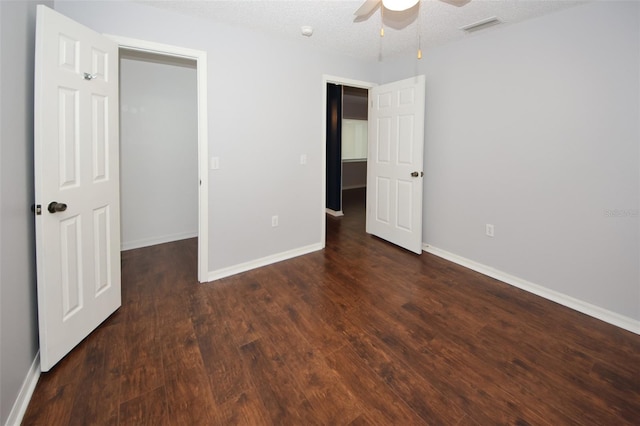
{"x":481,"y":25}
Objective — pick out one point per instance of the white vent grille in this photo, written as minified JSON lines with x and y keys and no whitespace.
{"x":481,"y":25}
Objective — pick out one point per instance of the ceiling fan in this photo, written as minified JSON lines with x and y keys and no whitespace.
{"x":369,"y":6}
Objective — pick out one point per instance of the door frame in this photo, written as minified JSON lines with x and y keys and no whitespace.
{"x":323,"y":202}
{"x":200,"y":57}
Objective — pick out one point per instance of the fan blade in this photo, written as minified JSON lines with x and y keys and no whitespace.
{"x":367,"y":8}
{"x":458,"y":3}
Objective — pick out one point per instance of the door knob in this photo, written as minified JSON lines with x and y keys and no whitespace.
{"x":54,"y":206}
{"x":416,"y":174}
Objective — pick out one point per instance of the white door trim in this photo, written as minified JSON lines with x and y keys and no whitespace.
{"x":323,"y":201}
{"x":203,"y":145}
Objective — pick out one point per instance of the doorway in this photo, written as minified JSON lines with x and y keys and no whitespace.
{"x":158,"y":149}
{"x":198,"y":59}
{"x":395,"y":160}
{"x":347,"y":129}
{"x":344,"y":166}
{"x":355,"y":108}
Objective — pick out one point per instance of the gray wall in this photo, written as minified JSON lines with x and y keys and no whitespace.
{"x":534,"y":128}
{"x":265,"y":110}
{"x":18,"y":314}
{"x":158,"y":150}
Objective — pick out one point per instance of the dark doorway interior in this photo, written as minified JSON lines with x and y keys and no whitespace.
{"x":347,"y":111}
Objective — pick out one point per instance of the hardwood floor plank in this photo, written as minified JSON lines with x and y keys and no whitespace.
{"x":52,"y":405}
{"x":141,"y":379}
{"x":427,"y":401}
{"x":245,"y":408}
{"x":189,"y":397}
{"x":573,"y":390}
{"x":454,"y":381}
{"x":178,"y":342}
{"x":221,"y":357}
{"x":506,"y":385}
{"x":148,"y":409}
{"x":361,"y":332}
{"x":232,"y":306}
{"x":308,"y":308}
{"x":143,"y":370}
{"x":376,"y":399}
{"x":280,"y":394}
{"x":321,"y":386}
{"x":97,"y":396}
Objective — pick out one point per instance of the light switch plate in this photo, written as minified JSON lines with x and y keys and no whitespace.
{"x":214,"y":163}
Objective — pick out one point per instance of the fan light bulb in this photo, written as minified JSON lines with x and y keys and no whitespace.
{"x":419,"y":53}
{"x":399,"y":5}
{"x":382,"y":32}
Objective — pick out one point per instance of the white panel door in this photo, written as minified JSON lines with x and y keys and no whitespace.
{"x":76,"y":182}
{"x":394,"y":167}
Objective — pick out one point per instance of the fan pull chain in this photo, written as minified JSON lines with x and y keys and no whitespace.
{"x":419,"y":35}
{"x":381,"y":33}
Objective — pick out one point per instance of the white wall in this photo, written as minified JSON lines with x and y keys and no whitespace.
{"x":265,"y":110}
{"x":158,"y":150}
{"x":534,"y":128}
{"x":18,"y":312}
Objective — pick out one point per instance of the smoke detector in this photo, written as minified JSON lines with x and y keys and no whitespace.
{"x":307,"y":31}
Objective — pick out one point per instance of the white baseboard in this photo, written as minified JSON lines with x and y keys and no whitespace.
{"x":146,"y":242}
{"x":605,"y":315}
{"x":268,"y":260}
{"x":335,"y":213}
{"x":24,"y":396}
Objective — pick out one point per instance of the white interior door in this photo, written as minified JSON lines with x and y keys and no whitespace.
{"x":76,"y":166}
{"x":394,"y":167}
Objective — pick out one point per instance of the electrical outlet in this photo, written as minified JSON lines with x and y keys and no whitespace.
{"x":489,"y":230}
{"x":274,"y":221}
{"x":303,"y":159}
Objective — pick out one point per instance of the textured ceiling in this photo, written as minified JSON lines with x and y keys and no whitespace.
{"x":335,"y":30}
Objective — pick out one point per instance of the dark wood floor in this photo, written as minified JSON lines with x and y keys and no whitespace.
{"x":360,"y":333}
